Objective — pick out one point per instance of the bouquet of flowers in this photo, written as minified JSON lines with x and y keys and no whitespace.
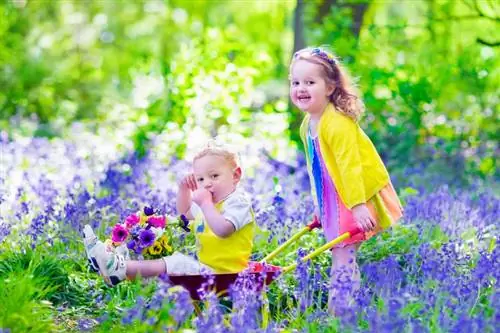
{"x":146,"y":233}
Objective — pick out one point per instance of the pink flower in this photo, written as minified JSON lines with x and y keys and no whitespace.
{"x":132,"y":220}
{"x":119,"y":233}
{"x":157,"y":221}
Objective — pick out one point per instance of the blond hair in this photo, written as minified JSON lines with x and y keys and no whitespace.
{"x":345,"y":94}
{"x":214,"y":148}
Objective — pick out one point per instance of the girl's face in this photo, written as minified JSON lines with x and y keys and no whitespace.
{"x":308,"y":89}
{"x":216,"y":175}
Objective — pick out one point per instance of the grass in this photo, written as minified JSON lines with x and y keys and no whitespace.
{"x":51,"y":289}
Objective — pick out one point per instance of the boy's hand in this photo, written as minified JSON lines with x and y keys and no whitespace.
{"x":202,"y":196}
{"x":363,"y":218}
{"x":189,"y":183}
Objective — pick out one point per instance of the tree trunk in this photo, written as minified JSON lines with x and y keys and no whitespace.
{"x":357,"y":9}
{"x":324,"y":9}
{"x":298,"y":27}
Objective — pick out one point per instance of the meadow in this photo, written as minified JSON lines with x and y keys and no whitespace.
{"x":102,"y":104}
{"x":436,"y":271}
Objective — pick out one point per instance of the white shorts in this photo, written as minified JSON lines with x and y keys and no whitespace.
{"x":181,"y":264}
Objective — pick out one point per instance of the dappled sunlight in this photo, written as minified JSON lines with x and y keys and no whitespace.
{"x":104,"y":104}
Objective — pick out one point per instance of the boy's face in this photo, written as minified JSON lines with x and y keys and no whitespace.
{"x":216,"y":175}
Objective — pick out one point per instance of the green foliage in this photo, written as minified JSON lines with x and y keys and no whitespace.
{"x":425,"y":79}
{"x":58,"y":279}
{"x":398,"y":240}
{"x":117,"y":316}
{"x":143,"y":67}
{"x":216,"y":67}
{"x":32,"y":284}
{"x":35,"y":280}
{"x":23,"y":304}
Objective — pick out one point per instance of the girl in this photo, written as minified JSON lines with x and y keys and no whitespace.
{"x":350,"y":183}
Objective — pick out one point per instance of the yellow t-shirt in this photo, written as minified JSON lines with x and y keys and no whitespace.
{"x":231,"y":254}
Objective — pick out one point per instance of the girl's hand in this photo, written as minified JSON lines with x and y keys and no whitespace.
{"x":202,"y":196}
{"x":363,"y":218}
{"x":189,"y":183}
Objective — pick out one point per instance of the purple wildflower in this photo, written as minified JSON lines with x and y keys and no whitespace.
{"x":131,"y":244}
{"x":184,"y":222}
{"x":86,"y":324}
{"x":148,"y":211}
{"x":4,"y":231}
{"x":147,"y":238}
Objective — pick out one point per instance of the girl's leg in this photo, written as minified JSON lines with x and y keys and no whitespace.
{"x":344,"y":277}
{"x":145,"y":268}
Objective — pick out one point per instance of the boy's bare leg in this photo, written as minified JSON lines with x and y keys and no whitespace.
{"x":145,"y":268}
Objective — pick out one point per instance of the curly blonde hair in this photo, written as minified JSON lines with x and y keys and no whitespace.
{"x":215,"y":148}
{"x":345,"y":94}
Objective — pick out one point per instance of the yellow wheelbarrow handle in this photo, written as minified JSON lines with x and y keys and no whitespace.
{"x":325,"y":247}
{"x":313,"y":225}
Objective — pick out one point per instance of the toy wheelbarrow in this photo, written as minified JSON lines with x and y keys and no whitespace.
{"x":257,"y":274}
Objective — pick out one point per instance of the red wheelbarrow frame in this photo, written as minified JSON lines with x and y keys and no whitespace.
{"x":258,"y":274}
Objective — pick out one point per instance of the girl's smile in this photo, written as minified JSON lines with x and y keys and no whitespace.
{"x":308,"y":89}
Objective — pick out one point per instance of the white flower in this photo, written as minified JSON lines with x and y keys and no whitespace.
{"x":158,"y":232}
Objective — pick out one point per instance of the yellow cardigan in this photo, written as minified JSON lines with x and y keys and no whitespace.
{"x":350,"y":157}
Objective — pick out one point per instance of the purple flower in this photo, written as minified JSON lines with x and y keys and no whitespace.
{"x":184,"y":222}
{"x":148,"y":211}
{"x":136,"y":231}
{"x":86,"y":324}
{"x":120,"y":233}
{"x":138,"y":249}
{"x":4,"y":231}
{"x":131,"y":244}
{"x":147,"y":238}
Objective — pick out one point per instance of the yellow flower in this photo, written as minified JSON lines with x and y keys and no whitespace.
{"x":143,"y":218}
{"x":168,"y":248}
{"x":164,"y":243}
{"x":156,"y":249}
{"x":163,"y":239}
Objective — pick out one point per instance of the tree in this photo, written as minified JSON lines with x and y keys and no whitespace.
{"x":357,"y":11}
{"x":298,"y":26}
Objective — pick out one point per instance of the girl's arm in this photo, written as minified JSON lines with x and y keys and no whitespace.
{"x":344,"y":145}
{"x":218,"y":223}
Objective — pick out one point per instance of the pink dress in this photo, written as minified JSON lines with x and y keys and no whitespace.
{"x":335,"y":217}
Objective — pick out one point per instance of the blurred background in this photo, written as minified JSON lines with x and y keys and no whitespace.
{"x":167,"y":75}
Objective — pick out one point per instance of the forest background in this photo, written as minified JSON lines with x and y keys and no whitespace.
{"x":182,"y":71}
{"x":103,"y":102}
